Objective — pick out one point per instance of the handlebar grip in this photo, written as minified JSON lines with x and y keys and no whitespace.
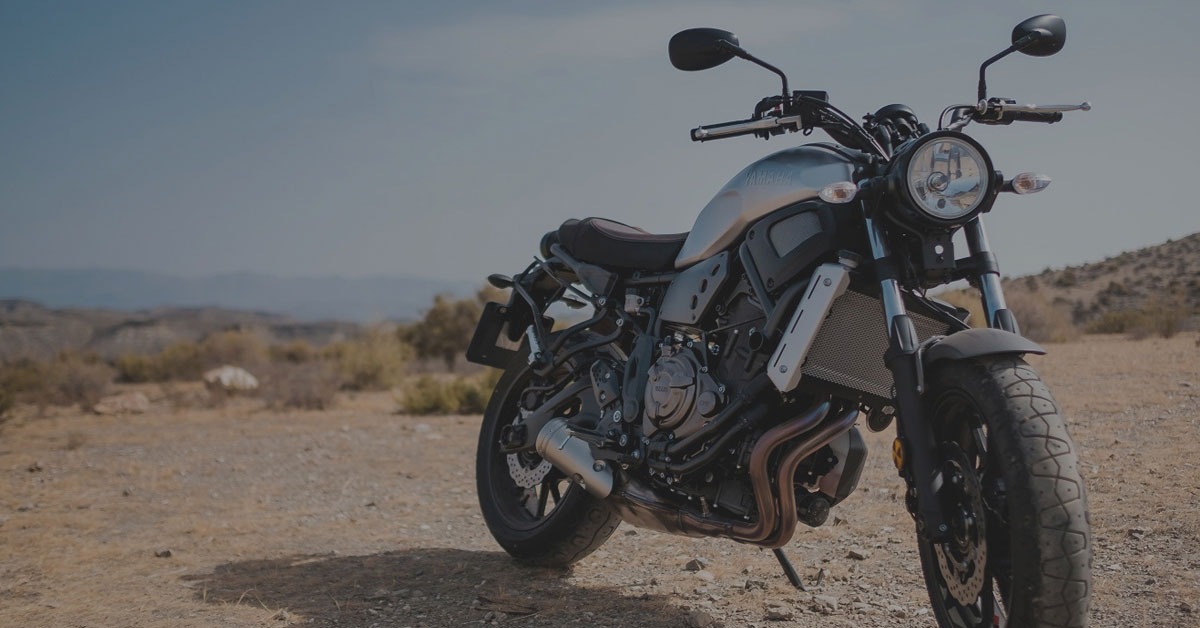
{"x":1008,"y":117}
{"x":721,"y":130}
{"x":1022,"y":116}
{"x":763,"y":127}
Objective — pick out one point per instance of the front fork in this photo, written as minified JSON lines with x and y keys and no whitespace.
{"x":904,"y":361}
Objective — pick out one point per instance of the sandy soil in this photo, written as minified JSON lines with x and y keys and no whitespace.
{"x":360,"y":517}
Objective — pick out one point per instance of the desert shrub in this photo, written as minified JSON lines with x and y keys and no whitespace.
{"x":294,"y":352}
{"x":970,"y":300}
{"x":1039,"y":320}
{"x":136,"y":368}
{"x":308,"y":386}
{"x":22,"y":378}
{"x":374,"y":361}
{"x":1067,"y":278}
{"x":460,"y":395}
{"x":428,"y":395}
{"x":239,"y":348}
{"x":67,"y":380}
{"x":445,"y":329}
{"x":1114,"y":322}
{"x":180,"y":361}
{"x":1162,"y":316}
{"x":75,"y":380}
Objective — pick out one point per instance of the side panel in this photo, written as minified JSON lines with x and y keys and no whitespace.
{"x":692,"y":291}
{"x":775,"y":181}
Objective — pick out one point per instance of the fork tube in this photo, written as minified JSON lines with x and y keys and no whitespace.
{"x":893,"y":303}
{"x":903,"y":359}
{"x":998,"y":314}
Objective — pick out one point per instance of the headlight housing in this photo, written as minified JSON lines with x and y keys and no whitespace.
{"x":944,"y":179}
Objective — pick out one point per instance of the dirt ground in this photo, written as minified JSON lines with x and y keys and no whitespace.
{"x":360,"y":517}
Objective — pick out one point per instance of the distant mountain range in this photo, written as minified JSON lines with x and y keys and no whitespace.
{"x":362,"y":300}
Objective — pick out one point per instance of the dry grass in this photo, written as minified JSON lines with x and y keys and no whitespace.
{"x":374,"y":361}
{"x":448,"y":395}
{"x":310,"y":386}
{"x":71,"y":379}
{"x":1039,"y":319}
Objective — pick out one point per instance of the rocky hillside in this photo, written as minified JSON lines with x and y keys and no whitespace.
{"x":30,"y":330}
{"x":1165,"y":275}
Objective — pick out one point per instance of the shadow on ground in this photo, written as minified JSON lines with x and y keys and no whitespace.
{"x":425,"y":587}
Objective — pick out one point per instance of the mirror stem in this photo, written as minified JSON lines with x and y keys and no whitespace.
{"x":1017,"y":45}
{"x":739,"y":52}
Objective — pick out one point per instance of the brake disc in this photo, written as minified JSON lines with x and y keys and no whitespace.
{"x":527,"y":474}
{"x":527,"y":469}
{"x":963,"y":561}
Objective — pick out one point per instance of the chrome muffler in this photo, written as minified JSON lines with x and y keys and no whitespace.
{"x":573,"y":456}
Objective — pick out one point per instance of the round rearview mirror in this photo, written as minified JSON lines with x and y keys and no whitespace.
{"x":1046,"y":35}
{"x":701,"y":48}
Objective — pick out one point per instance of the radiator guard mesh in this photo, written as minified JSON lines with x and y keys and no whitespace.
{"x":849,"y":348}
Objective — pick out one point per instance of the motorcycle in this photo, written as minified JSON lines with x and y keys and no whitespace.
{"x":715,"y":387}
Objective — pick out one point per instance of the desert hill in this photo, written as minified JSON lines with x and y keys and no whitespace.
{"x":31,"y":330}
{"x":1161,"y":275}
{"x":359,"y":299}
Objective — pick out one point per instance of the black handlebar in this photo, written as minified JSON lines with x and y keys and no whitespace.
{"x":1008,"y":117}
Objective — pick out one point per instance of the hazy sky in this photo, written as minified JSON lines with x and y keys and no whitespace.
{"x":442,"y":139}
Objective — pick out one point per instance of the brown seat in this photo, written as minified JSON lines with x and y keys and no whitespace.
{"x":612,"y":244}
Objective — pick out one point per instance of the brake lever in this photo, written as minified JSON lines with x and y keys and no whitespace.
{"x":1004,"y":107}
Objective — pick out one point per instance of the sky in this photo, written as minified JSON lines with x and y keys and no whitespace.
{"x":443,"y":139}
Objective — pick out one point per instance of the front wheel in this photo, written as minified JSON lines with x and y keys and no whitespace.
{"x":1020,"y":550}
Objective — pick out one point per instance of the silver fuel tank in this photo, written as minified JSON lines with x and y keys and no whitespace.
{"x":773,"y":182}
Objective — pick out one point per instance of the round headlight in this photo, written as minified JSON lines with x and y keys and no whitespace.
{"x":947,"y":177}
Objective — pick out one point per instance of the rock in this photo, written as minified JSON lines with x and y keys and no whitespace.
{"x":124,"y":403}
{"x":34,"y":467}
{"x":166,"y":553}
{"x":422,"y":427}
{"x":695,"y":564}
{"x":698,"y":619}
{"x":779,"y":612}
{"x":230,"y":379}
{"x":1185,"y":607}
{"x":752,"y":584}
{"x":1139,"y":533}
{"x":858,"y":553}
{"x":825,"y":604}
{"x":705,"y":575}
{"x":631,"y":533}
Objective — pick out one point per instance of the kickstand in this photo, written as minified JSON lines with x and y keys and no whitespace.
{"x":789,"y":570}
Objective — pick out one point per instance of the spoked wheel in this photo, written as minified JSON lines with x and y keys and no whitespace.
{"x":534,"y":512}
{"x":1019,"y":549}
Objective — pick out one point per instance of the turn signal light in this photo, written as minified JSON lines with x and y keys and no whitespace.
{"x":839,"y":192}
{"x":1030,"y":183}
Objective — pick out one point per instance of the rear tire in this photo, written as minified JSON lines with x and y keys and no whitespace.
{"x":1038,"y":541}
{"x":565,"y":525}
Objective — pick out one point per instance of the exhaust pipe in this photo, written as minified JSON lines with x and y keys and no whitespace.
{"x":573,"y":456}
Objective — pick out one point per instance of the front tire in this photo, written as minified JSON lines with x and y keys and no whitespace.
{"x":996,"y":421}
{"x":552,"y":523}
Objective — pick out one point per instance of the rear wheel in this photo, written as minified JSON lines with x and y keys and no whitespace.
{"x":532,"y":510}
{"x":1020,"y":551}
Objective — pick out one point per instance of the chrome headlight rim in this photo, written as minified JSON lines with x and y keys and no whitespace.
{"x":912,"y":208}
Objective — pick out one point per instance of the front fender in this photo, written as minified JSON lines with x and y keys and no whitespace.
{"x":972,"y":343}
